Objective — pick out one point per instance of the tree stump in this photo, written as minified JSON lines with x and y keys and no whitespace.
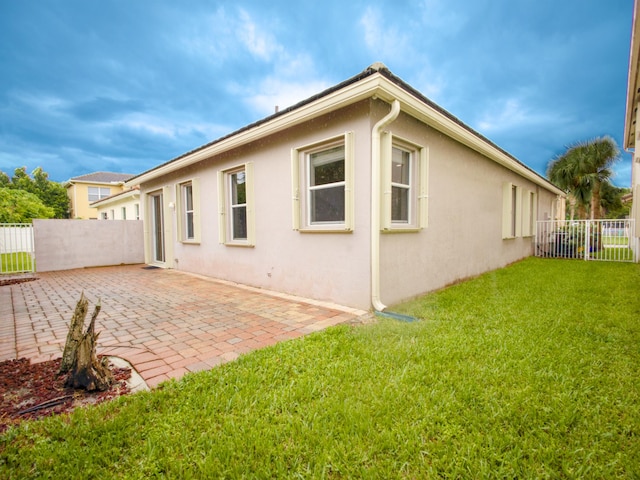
{"x":79,"y":359}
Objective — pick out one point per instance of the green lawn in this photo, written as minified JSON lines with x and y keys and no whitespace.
{"x":15,"y":262}
{"x":532,"y":371}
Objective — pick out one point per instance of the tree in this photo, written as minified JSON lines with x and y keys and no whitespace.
{"x":611,"y":201}
{"x":18,"y":206}
{"x":582,"y":170}
{"x":52,"y":194}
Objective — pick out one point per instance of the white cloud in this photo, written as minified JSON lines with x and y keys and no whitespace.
{"x":278,"y":91}
{"x":382,"y":38}
{"x":512,"y":114}
{"x":260,"y":44}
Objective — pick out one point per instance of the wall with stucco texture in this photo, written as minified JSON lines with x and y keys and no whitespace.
{"x":68,"y":244}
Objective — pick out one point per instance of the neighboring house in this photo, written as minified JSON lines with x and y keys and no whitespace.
{"x":123,"y":205}
{"x":632,"y":122}
{"x":365,"y":195}
{"x":86,"y":189}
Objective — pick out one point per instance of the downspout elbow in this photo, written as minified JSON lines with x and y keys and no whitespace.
{"x":375,"y":204}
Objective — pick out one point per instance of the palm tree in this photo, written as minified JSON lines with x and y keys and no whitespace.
{"x":581,"y":171}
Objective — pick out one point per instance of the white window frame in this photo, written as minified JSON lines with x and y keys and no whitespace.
{"x":136,"y":211}
{"x":97,"y":193}
{"x":123,"y":212}
{"x":183,"y":212}
{"x":511,"y":211}
{"x":529,"y":213}
{"x":226,"y":206}
{"x":301,"y":188}
{"x":418,"y":187}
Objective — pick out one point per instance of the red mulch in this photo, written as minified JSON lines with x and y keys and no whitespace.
{"x":30,"y":391}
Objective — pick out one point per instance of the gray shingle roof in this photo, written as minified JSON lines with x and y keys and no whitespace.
{"x":102,"y":177}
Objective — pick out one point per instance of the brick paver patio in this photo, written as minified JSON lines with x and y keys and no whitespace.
{"x":164,"y":322}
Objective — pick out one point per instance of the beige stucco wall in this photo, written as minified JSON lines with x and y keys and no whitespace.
{"x":325,"y":266}
{"x":464,"y":237}
{"x":68,"y":244}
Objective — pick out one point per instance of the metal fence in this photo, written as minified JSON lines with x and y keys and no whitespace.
{"x":604,"y":240}
{"x":17,"y":254}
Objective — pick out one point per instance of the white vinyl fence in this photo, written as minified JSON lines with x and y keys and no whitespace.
{"x":16,"y":248}
{"x":604,"y":240}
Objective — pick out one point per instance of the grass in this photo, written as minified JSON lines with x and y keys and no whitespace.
{"x":615,"y":240}
{"x":527,"y":372}
{"x":17,"y":262}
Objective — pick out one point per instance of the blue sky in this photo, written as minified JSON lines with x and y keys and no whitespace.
{"x":123,"y":86}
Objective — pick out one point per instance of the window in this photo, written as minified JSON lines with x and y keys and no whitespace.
{"x":400,"y":185}
{"x":404,"y":181}
{"x":98,"y":193}
{"x":235,"y":197}
{"x":322,"y":183}
{"x":104,"y":216}
{"x":112,"y":214}
{"x":529,"y":213}
{"x":136,"y":211}
{"x":124,"y":213}
{"x":188,"y":200}
{"x":511,"y":211}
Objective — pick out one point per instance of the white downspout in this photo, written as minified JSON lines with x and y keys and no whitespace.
{"x":375,"y":204}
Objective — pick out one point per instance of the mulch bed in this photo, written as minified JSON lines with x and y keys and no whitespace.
{"x":30,"y":391}
{"x":14,"y":281}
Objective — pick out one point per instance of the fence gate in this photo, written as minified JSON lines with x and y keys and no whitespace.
{"x":17,"y":252}
{"x":605,"y":240}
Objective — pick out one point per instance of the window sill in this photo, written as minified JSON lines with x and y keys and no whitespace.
{"x":242,"y":245}
{"x":326,"y":230}
{"x":407,"y":229}
{"x":190,"y":242}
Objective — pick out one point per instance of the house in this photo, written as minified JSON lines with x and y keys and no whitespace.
{"x":85,"y":189}
{"x":364,"y":195}
{"x":632,"y":123}
{"x":123,"y":205}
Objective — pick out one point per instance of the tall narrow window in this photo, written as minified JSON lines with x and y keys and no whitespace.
{"x":124,"y":213}
{"x":514,"y":216}
{"x":404,"y":182}
{"x":238,"y":204}
{"x":511,"y":210}
{"x":187,"y":201}
{"x":188,"y":211}
{"x":400,"y":185}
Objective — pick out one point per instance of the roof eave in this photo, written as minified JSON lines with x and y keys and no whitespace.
{"x":632,"y":82}
{"x":381,"y":84}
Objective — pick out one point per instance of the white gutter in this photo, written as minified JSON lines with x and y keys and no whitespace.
{"x":375,"y":204}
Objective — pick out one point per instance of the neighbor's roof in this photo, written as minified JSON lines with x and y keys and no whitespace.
{"x":102,"y":177}
{"x":375,"y":81}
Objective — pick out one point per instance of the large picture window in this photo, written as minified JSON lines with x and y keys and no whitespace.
{"x":322,"y":181}
{"x":235,"y":195}
{"x":404,"y":181}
